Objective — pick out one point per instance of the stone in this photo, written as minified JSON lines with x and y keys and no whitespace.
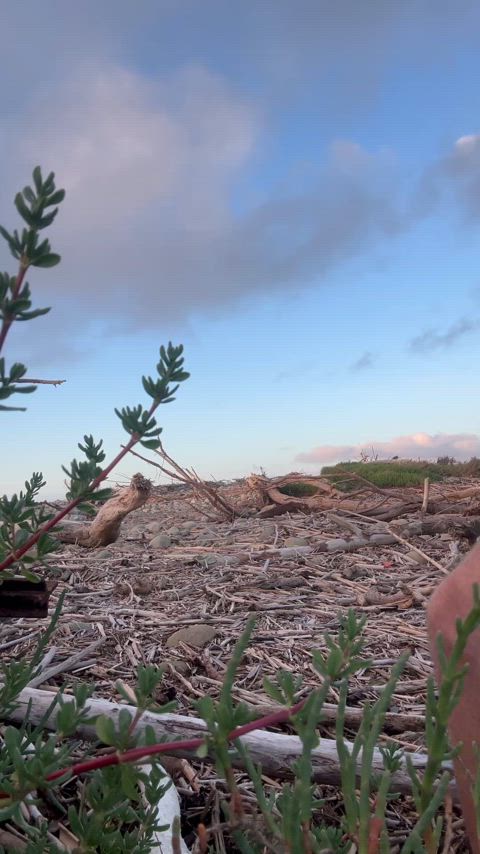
{"x":155,"y":527}
{"x":198,"y":636}
{"x":268,"y":532}
{"x":174,"y":531}
{"x":161,"y":541}
{"x":205,"y":540}
{"x":293,"y":542}
{"x":188,"y":526}
{"x":207,"y":560}
{"x":179,"y":664}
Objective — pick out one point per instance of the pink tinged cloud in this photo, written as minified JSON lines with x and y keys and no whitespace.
{"x":462,"y":446}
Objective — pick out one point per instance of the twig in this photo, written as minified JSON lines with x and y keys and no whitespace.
{"x":192,"y":479}
{"x":419,"y":551}
{"x":40,"y":382}
{"x":66,"y":665}
{"x":426,"y":491}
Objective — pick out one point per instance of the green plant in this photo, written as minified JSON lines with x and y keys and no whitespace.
{"x":25,"y":540}
{"x":382,"y":474}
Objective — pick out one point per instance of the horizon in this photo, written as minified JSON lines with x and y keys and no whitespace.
{"x":292,"y":191}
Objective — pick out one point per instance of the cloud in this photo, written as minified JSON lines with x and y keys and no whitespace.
{"x":462,"y":446}
{"x":155,"y":160}
{"x":432,"y":339}
{"x":366,"y":360}
{"x":148,"y":231}
{"x":455,"y":177}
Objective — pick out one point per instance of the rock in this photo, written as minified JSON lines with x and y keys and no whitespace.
{"x":81,"y":627}
{"x":319,"y":560}
{"x":138,"y":532}
{"x":232,"y":560}
{"x":104,"y":554}
{"x":268,"y":532}
{"x":207,"y":560}
{"x":415,"y":557}
{"x":188,"y":526}
{"x":179,"y":664}
{"x":174,"y":532}
{"x":205,"y":540}
{"x":161,"y":541}
{"x":155,"y":527}
{"x":293,"y":542}
{"x":198,"y":636}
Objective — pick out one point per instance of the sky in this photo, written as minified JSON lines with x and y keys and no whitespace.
{"x":289,"y":189}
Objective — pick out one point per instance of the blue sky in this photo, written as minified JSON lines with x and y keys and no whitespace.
{"x":292,"y":190}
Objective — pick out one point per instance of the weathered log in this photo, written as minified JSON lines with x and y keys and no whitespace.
{"x":275,"y":752}
{"x":105,"y":528}
{"x":467,"y":527}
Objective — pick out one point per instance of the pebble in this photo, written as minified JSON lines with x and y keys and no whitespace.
{"x":188,"y":526}
{"x":155,"y":527}
{"x":198,"y":636}
{"x":161,"y":541}
{"x":208,"y":560}
{"x":268,"y":532}
{"x":205,"y":540}
{"x":179,"y":664}
{"x":174,"y":531}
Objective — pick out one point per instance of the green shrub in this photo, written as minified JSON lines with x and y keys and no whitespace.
{"x":391,"y":474}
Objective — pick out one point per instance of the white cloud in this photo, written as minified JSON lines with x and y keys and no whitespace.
{"x":420,"y":445}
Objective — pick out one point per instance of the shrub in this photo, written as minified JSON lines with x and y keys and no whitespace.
{"x":383,"y":474}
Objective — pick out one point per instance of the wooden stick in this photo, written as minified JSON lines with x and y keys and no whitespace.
{"x":426,"y":491}
{"x":275,"y":752}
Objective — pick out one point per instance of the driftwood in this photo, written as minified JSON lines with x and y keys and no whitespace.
{"x":316,"y":494}
{"x":272,"y":499}
{"x":467,"y":527}
{"x":201,"y":489}
{"x":105,"y":528}
{"x":276,"y":753}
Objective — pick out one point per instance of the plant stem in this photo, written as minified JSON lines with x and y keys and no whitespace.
{"x":141,"y":754}
{"x":7,"y":322}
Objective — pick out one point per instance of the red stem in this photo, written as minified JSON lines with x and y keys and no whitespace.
{"x":139,"y":754}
